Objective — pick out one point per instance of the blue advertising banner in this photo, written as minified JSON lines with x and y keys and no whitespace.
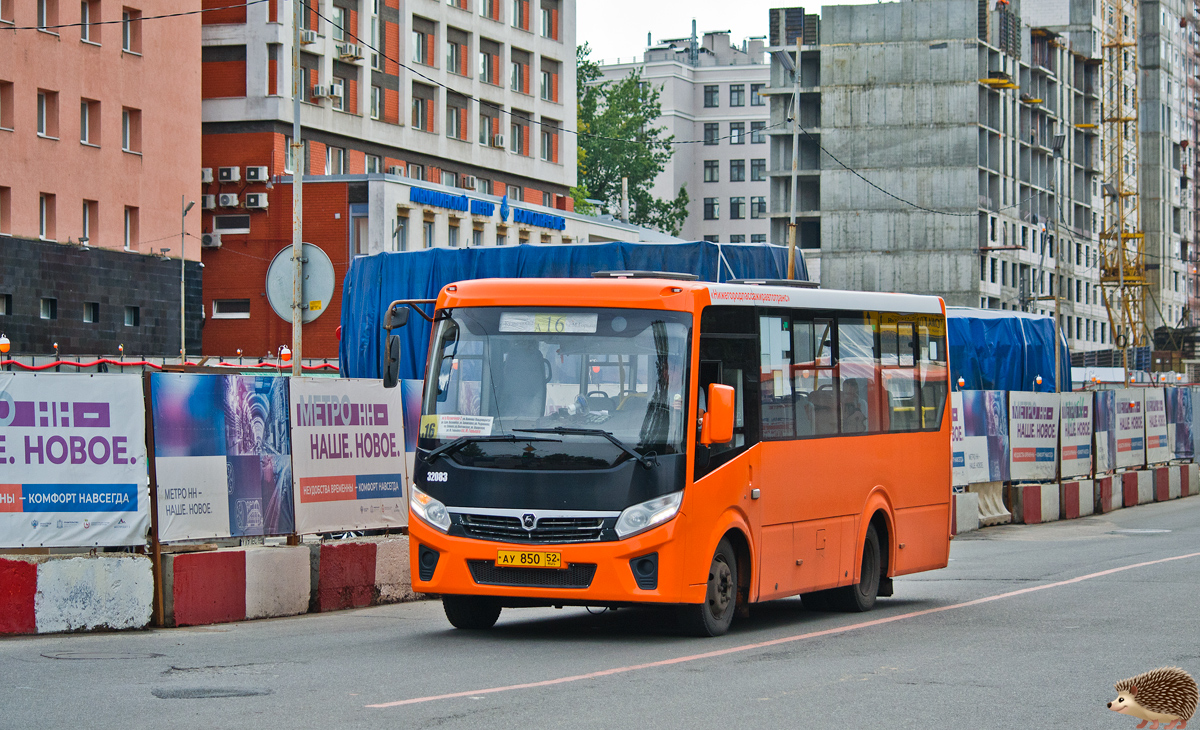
{"x":223,"y":456}
{"x":985,"y":435}
{"x":1179,"y":423}
{"x":1106,"y":431}
{"x":72,"y":461}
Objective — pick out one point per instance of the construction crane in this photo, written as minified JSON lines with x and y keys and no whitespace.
{"x":1122,"y":244}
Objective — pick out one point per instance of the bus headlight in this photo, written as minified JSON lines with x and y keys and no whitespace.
{"x":641,"y":517}
{"x":430,"y":510}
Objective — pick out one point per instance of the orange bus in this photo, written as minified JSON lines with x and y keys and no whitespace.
{"x":650,"y":439}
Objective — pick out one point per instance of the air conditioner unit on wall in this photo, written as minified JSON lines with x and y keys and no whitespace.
{"x":206,"y":175}
{"x":210,"y":240}
{"x":308,"y":37}
{"x":208,"y":202}
{"x":395,"y":170}
{"x":256,"y":201}
{"x":258,"y":173}
{"x":229,"y":174}
{"x":228,"y":200}
{"x":320,"y":92}
{"x":349,"y":52}
{"x":467,"y":182}
{"x":498,"y":141}
{"x":336,"y":89}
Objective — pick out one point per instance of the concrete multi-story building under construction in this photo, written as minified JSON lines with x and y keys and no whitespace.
{"x":948,"y":147}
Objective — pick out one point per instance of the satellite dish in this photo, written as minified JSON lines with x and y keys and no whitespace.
{"x":317,"y":287}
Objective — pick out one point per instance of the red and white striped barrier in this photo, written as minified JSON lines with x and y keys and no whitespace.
{"x":1035,"y":503}
{"x":357,"y":573}
{"x":1137,"y":487}
{"x":1189,"y":479}
{"x":46,"y":594}
{"x":1109,"y":495}
{"x":221,"y":586}
{"x":1076,"y":499}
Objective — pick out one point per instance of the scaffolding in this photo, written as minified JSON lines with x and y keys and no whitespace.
{"x":1122,"y":244}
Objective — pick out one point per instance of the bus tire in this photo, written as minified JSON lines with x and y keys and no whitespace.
{"x":470,"y":612}
{"x":713,"y":617}
{"x":861,"y":596}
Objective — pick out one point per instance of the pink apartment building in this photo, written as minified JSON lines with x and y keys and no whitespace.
{"x":100,"y":122}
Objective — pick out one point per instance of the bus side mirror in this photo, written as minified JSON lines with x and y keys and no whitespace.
{"x":391,"y":361}
{"x":717,"y":427}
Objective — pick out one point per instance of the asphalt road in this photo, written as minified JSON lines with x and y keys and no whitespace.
{"x":1073,"y":607}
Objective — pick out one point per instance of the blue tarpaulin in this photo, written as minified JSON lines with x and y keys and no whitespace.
{"x":1003,"y":350}
{"x":375,"y":281}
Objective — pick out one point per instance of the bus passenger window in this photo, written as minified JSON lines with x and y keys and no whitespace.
{"x":815,"y":397}
{"x":931,"y":333}
{"x":896,"y":371}
{"x":775,"y":351}
{"x":856,"y":365}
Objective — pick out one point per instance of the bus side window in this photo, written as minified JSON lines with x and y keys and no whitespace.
{"x":775,"y":354}
{"x":856,"y":366}
{"x":804,"y":378}
{"x":934,"y":377}
{"x":898,"y":347}
{"x":729,"y":338}
{"x":813,"y":380}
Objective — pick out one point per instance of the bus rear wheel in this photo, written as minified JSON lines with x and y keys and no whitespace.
{"x":713,"y":617}
{"x":861,"y":597}
{"x":470,"y":612}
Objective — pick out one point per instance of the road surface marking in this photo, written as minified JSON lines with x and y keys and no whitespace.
{"x":776,"y":642}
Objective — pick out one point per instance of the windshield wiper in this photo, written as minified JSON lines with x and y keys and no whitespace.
{"x":646,"y":461}
{"x":462,"y":441}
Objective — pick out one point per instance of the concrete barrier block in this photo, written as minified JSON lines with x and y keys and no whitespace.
{"x":346,"y":575}
{"x":1162,"y":483}
{"x":277,"y":581}
{"x":18,"y":589}
{"x":1076,"y":499}
{"x":1035,"y":503}
{"x":1086,"y":497}
{"x":87,"y":593}
{"x":207,"y":588}
{"x":991,"y":503}
{"x":1129,"y":488}
{"x":1191,"y":484}
{"x":1108,"y":493}
{"x":1175,"y":475}
{"x":1145,"y":486}
{"x":393,"y":580}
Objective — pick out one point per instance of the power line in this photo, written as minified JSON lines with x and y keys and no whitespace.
{"x":136,"y":20}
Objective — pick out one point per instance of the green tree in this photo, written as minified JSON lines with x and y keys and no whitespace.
{"x":617,"y":138}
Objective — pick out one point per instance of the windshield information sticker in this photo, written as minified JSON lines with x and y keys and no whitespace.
{"x":450,"y":426}
{"x":563,"y":323}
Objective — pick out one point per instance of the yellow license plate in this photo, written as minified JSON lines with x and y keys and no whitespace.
{"x":526,"y":559}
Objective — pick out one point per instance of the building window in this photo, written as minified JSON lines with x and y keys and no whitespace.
{"x":131,"y":30}
{"x":131,"y":227}
{"x":549,"y":137}
{"x":489,"y":62}
{"x":519,"y":129}
{"x":712,"y":239}
{"x":520,"y":17}
{"x":335,"y":161}
{"x":49,"y":308}
{"x":422,"y":110}
{"x":456,"y":57}
{"x":712,"y":133}
{"x":550,"y":15}
{"x":758,"y":238}
{"x":758,"y":206}
{"x":91,"y":215}
{"x":757,"y":135}
{"x":428,"y":234}
{"x":514,"y":192}
{"x":89,"y":122}
{"x":756,"y":97}
{"x":6,"y":104}
{"x":737,"y":171}
{"x":46,"y":218}
{"x":456,"y":116}
{"x":520,"y":71}
{"x":737,"y":133}
{"x":6,"y":307}
{"x":737,"y":238}
{"x":758,"y":170}
{"x":89,"y":16}
{"x":737,"y":95}
{"x":712,"y":96}
{"x":376,"y":102}
{"x":501,"y":237}
{"x":422,"y":45}
{"x":400,"y":233}
{"x":131,"y":130}
{"x":452,"y":236}
{"x":490,"y":9}
{"x":338,"y":93}
{"x":47,"y":113}
{"x":737,"y":208}
{"x":712,"y":171}
{"x":339,"y":23}
{"x":133,"y":316}
{"x":377,"y":41}
{"x":47,"y":15}
{"x":231,"y":309}
{"x":374,"y":164}
{"x":91,"y":312}
{"x":712,"y":209}
{"x":488,"y":125}
{"x":449,"y":179}
{"x":416,"y":172}
{"x":289,"y":155}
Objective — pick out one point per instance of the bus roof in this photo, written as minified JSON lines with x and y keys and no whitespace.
{"x":647,"y":292}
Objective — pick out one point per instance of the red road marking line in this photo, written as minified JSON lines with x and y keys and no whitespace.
{"x":776,"y":642}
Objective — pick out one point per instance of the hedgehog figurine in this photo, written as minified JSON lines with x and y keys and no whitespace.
{"x":1162,"y":695}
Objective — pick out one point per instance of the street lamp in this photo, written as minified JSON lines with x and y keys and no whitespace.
{"x":182,"y":269}
{"x":5,"y":344}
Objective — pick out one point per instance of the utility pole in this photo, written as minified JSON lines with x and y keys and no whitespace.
{"x":185,"y":207}
{"x":1059,"y":141}
{"x":298,"y":88}
{"x":791,"y":271}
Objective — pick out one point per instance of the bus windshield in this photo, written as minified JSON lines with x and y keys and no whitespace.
{"x":573,"y":388}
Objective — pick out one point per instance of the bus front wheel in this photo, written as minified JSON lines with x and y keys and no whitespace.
{"x":861,"y":596}
{"x":470,"y":612}
{"x":713,"y":617}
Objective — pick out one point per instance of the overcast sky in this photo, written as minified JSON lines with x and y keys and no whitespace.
{"x":617,"y":28}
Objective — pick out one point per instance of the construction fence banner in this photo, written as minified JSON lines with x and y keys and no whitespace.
{"x":1179,"y":423}
{"x":1075,"y":440}
{"x":1195,"y":390}
{"x":222,"y":455}
{"x":958,"y":456}
{"x":1033,"y":435}
{"x":985,"y":435}
{"x":1131,"y":428}
{"x":348,"y":454}
{"x":73,"y":461}
{"x":1157,"y":448}
{"x":411,"y":392}
{"x":1106,"y":431}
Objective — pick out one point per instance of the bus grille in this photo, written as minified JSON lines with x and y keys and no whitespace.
{"x":548,"y":530}
{"x":577,"y":575}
